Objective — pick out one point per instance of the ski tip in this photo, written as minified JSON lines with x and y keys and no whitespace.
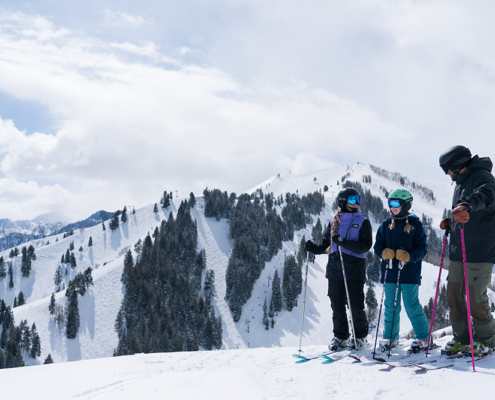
{"x":300,"y":359}
{"x":326,"y":359}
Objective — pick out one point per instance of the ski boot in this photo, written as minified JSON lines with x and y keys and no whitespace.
{"x":454,"y":347}
{"x":479,"y":349}
{"x":419,"y":346}
{"x":359,"y":343}
{"x":338,"y":344}
{"x":385,"y":345}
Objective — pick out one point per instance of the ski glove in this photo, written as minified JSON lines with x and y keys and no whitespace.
{"x":338,"y":240}
{"x":460,"y":214}
{"x":388,"y":254}
{"x":403,"y":255}
{"x":445,"y":223}
{"x":309,"y":246}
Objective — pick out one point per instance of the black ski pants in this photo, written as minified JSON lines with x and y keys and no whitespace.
{"x":338,"y":301}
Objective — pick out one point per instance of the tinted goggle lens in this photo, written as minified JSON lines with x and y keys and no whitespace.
{"x":354,"y":200}
{"x":394,"y":203}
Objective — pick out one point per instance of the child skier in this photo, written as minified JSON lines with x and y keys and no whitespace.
{"x":352,"y":232}
{"x":401,"y":238}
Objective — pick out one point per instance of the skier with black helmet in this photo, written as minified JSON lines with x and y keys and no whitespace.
{"x":402,"y":239}
{"x":352,"y":232}
{"x":473,"y":208}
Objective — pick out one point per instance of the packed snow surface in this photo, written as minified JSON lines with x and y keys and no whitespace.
{"x":244,"y":374}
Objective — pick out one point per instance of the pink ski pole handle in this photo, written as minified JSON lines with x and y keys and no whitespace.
{"x":438,"y":286}
{"x":467,"y":294}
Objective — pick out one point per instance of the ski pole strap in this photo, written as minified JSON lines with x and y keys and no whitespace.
{"x":402,"y":264}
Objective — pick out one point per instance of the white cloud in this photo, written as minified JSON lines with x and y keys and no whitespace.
{"x":122,"y":18}
{"x":130,"y":130}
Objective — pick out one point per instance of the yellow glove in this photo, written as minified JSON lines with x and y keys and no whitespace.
{"x":403,"y":255}
{"x":388,"y":254}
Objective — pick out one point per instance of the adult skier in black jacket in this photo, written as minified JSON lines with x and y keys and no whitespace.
{"x":473,"y":207}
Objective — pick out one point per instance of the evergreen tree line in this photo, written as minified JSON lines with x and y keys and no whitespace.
{"x":218,"y":204}
{"x":441,"y":311}
{"x":164,"y":308}
{"x":69,"y":257}
{"x":69,"y":316}
{"x":258,"y":232}
{"x":424,"y":192}
{"x":14,"y":340}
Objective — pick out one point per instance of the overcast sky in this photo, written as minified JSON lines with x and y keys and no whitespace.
{"x":107,"y":103}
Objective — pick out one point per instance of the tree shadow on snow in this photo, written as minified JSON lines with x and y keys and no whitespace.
{"x":115,"y":239}
{"x":87,"y":312}
{"x":73,"y":349}
{"x":91,"y":257}
{"x":125,"y":229}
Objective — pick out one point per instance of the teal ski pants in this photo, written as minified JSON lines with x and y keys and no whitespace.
{"x":409,"y":292}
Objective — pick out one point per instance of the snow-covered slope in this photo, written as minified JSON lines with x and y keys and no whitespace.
{"x":98,"y":308}
{"x":242,"y":375}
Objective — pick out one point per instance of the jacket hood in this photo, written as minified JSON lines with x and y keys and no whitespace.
{"x":476,"y":164}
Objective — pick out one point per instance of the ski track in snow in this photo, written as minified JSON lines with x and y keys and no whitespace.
{"x":259,"y":362}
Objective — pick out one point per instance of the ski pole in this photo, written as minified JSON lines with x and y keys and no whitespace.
{"x":380,"y":312}
{"x":304,"y":299}
{"x":438,"y":286}
{"x":400,"y":266}
{"x":348,"y":300}
{"x":467,"y":294}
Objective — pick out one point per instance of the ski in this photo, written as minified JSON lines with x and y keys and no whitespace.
{"x":303,"y":359}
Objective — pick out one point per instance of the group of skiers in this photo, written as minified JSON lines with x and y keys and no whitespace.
{"x":401,"y":243}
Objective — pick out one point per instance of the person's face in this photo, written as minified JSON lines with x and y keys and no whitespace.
{"x":351,"y":207}
{"x":395,"y":210}
{"x":452,"y":175}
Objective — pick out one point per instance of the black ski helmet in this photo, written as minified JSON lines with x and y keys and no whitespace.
{"x":455,"y":158}
{"x":343,"y":195}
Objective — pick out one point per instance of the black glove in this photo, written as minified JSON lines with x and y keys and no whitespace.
{"x":309,"y":246}
{"x":338,"y":240}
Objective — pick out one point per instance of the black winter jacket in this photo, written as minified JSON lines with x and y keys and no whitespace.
{"x":355,"y":268}
{"x":476,"y":187}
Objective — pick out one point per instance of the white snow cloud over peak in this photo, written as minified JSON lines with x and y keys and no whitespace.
{"x":124,"y":19}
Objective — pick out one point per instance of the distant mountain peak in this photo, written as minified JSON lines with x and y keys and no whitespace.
{"x":52,"y":218}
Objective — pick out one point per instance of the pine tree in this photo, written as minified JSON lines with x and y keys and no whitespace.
{"x":266,"y":322}
{"x":36,"y":343}
{"x":276,"y":293}
{"x":62,"y":260}
{"x":71,"y":246}
{"x":90,"y":243}
{"x":67,"y":257}
{"x":192,"y":200}
{"x":114,"y":222}
{"x":73,"y":263}
{"x":80,"y":248}
{"x":25,"y":263}
{"x":209,"y":287}
{"x":138,"y":247}
{"x":15,"y":302}
{"x":128,"y":264}
{"x":103,"y":225}
{"x":11,"y":276}
{"x":3,"y":271}
{"x":58,"y":276}
{"x":155,"y":208}
{"x":20,"y":299}
{"x":49,"y":359}
{"x":51,"y":306}
{"x":371,"y":301}
{"x":165,"y":200}
{"x":73,"y":319}
{"x":123,"y":217}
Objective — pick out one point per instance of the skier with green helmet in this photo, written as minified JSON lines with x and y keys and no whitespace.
{"x":401,"y":239}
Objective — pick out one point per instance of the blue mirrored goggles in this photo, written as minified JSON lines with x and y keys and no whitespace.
{"x":354,"y":200}
{"x":394,"y":203}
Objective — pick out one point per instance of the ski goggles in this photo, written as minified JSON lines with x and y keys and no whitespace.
{"x":394,"y":203}
{"x":354,"y":200}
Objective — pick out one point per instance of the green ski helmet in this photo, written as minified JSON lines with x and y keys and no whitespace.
{"x":405,"y":199}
